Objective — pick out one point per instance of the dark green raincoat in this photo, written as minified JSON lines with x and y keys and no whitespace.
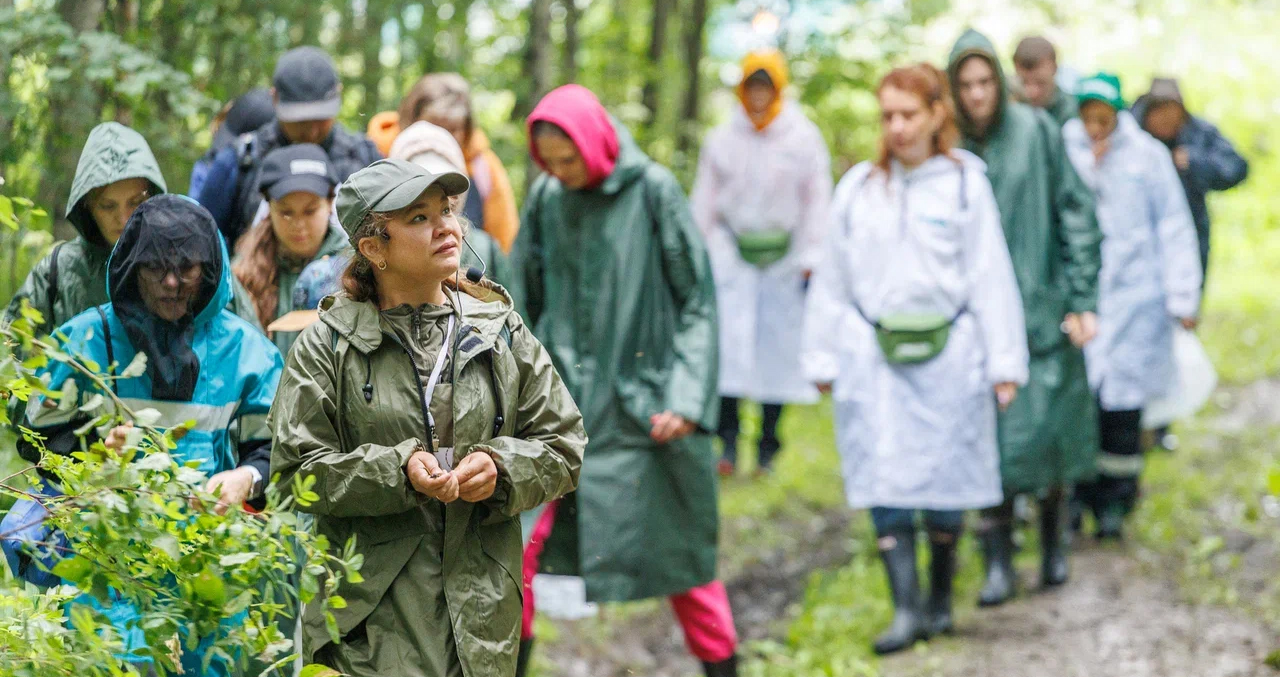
{"x":112,"y":153}
{"x":1050,"y":434}
{"x":441,"y":595}
{"x":618,"y":287}
{"x":1063,"y":107}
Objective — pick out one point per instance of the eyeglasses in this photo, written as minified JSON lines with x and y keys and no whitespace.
{"x":188,"y":274}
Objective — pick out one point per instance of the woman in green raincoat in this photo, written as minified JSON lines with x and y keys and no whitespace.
{"x":430,"y":418}
{"x":1049,"y":437}
{"x":618,"y":286}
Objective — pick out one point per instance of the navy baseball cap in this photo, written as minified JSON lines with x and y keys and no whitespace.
{"x":301,"y":167}
{"x":307,"y":86}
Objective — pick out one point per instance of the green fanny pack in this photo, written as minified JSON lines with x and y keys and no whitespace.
{"x":913,"y":338}
{"x":763,"y":248}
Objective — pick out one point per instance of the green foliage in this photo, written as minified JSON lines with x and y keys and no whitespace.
{"x":141,"y":531}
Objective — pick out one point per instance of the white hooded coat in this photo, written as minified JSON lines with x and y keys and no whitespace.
{"x":924,"y":241}
{"x":752,"y":180}
{"x":1150,"y":263}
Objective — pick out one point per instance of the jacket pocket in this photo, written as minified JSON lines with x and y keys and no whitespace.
{"x":1045,"y":310}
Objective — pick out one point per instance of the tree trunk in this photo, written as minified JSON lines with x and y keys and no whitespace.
{"x":694,"y":29}
{"x":74,"y":107}
{"x":657,"y":48}
{"x":569,"y":64}
{"x":375,"y":16}
{"x":537,"y":57}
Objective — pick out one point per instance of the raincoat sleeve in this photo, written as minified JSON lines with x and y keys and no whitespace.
{"x":706,"y":189}
{"x":540,"y":461}
{"x":35,"y":289}
{"x":817,"y":200}
{"x":58,"y":424}
{"x":261,"y":364}
{"x":828,"y":299}
{"x":1176,"y":233}
{"x":994,"y":298}
{"x":692,"y":382}
{"x":368,"y":480}
{"x":218,"y":191}
{"x":526,"y":256}
{"x":1215,"y":165}
{"x":1077,"y":220}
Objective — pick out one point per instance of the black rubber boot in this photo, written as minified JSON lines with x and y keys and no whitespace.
{"x":942,"y":571}
{"x":997,"y":550}
{"x":1054,"y":514}
{"x":725,"y":668}
{"x":908,"y":625}
{"x":522,"y":659}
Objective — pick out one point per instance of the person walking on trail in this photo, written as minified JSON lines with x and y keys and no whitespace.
{"x":915,"y":323}
{"x":298,"y":184}
{"x":444,"y":99}
{"x":431,"y":418}
{"x":1205,"y":159}
{"x":242,"y":116}
{"x":169,"y":283}
{"x":760,"y":198}
{"x":1049,"y":436}
{"x":307,"y":97}
{"x":1150,"y":279}
{"x":435,"y":149}
{"x":1036,"y":62}
{"x":618,"y":285}
{"x":116,"y":173}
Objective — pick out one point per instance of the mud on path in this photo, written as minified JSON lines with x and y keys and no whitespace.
{"x":764,"y":582}
{"x":1111,"y":620}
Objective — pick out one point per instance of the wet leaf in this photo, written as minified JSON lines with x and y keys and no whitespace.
{"x":146,"y":417}
{"x":74,"y":569}
{"x":319,"y":671}
{"x":137,"y":366}
{"x":237,"y":559}
{"x":210,"y":588}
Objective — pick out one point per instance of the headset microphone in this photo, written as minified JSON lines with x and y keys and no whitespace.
{"x":473,"y":274}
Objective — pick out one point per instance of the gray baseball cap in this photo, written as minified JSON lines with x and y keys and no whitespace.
{"x":388,"y":185}
{"x":306,"y":83}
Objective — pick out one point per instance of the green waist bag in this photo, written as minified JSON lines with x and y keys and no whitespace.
{"x":763,"y":248}
{"x":912,"y":338}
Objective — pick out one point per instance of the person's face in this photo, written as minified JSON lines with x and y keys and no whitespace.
{"x":1165,"y":120}
{"x":113,"y":204}
{"x":456,"y":128}
{"x":1099,"y":120}
{"x":307,"y":131}
{"x":759,"y":96}
{"x":908,"y":125}
{"x":423,"y":241}
{"x":169,"y":294}
{"x":1037,"y":82}
{"x":979,"y":90}
{"x":301,"y":222}
{"x":563,"y":160}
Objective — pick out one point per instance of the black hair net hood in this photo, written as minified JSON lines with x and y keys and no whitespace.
{"x":169,"y":232}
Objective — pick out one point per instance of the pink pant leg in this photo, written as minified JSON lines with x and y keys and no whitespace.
{"x":532,"y":553}
{"x":707,"y":620}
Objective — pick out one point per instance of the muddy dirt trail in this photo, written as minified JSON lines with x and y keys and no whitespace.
{"x":1111,"y":620}
{"x":1116,"y":618}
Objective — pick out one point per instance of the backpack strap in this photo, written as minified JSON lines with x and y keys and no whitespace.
{"x":52,"y":289}
{"x":106,"y":336}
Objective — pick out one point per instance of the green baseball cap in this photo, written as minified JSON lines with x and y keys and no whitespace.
{"x":1103,"y":87}
{"x":388,"y":185}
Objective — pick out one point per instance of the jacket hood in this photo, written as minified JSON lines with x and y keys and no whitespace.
{"x":775,"y":66}
{"x":485,"y":306}
{"x":112,"y":153}
{"x":580,"y":115}
{"x":632,"y":162}
{"x":971,"y":44}
{"x":169,"y":232}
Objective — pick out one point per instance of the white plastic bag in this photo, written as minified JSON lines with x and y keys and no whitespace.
{"x":1193,"y":384}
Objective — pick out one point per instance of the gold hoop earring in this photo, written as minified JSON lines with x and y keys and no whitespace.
{"x":382,"y":265}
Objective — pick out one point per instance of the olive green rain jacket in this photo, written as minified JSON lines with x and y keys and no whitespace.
{"x":441,"y":595}
{"x":1050,"y":434}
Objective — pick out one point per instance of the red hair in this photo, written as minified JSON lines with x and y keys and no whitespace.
{"x":930,"y":84}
